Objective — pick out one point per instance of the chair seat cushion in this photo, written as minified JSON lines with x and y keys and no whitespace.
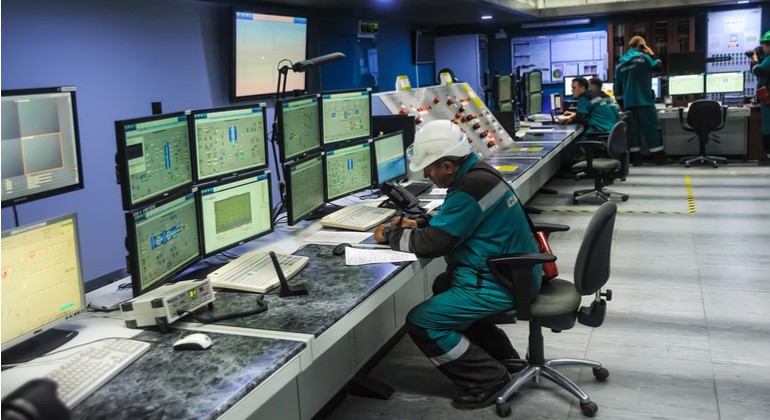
{"x":557,"y":297}
{"x":601,"y":164}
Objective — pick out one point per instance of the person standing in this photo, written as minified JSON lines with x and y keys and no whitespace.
{"x":761,"y":69}
{"x":633,"y":91}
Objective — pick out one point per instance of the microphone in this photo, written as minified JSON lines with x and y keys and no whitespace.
{"x":305,"y":65}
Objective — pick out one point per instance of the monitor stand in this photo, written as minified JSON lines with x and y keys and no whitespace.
{"x":37,"y":346}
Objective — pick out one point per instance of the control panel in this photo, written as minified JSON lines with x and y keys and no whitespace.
{"x":166,"y":304}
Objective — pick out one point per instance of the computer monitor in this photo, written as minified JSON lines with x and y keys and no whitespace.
{"x":384,"y":124}
{"x":533,"y":81}
{"x":40,"y":144}
{"x":304,"y":188}
{"x":42,"y":286}
{"x":228,"y":141}
{"x":568,"y":82}
{"x":162,"y":240}
{"x":688,"y":62}
{"x":728,"y":82}
{"x":299,"y":128}
{"x":346,"y":115}
{"x":508,"y":106}
{"x":690,"y":84}
{"x":347,"y":170}
{"x":656,"y":87}
{"x":389,"y":158}
{"x":534,"y":103}
{"x":503,"y":87}
{"x":608,"y":88}
{"x":153,"y":157}
{"x":235,"y":211}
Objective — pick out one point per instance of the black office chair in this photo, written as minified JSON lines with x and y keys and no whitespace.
{"x":603,"y":170}
{"x":703,"y":118}
{"x":558,"y":306}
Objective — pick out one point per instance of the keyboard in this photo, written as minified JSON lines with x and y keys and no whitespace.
{"x":85,"y":372}
{"x":254,"y":272}
{"x":418,"y":188}
{"x":357,"y":217}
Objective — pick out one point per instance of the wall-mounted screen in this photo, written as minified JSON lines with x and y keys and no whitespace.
{"x":260,"y":42}
{"x":40,"y":144}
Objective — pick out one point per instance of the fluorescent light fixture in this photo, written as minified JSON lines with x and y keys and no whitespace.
{"x":556,"y":23}
{"x":486,"y":17}
{"x":742,"y":2}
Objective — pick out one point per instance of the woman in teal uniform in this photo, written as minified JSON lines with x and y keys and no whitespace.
{"x":761,"y":69}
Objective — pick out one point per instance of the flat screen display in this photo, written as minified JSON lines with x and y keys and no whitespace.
{"x":730,"y":82}
{"x":347,"y":170}
{"x":389,"y":157}
{"x":691,"y":84}
{"x":346,"y":116}
{"x":299,"y":127}
{"x":304,"y":187}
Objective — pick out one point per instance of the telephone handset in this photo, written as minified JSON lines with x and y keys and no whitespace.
{"x":402,"y":199}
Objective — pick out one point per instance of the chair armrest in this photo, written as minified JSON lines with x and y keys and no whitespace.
{"x":549,"y":228}
{"x":597,"y":136}
{"x":515,"y":271}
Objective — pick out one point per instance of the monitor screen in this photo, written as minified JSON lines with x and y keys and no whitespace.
{"x":568,"y":82}
{"x":229,"y":141}
{"x":299,"y":128}
{"x":608,"y":88}
{"x":534,"y":103}
{"x":234,"y":212}
{"x":691,"y":84}
{"x":153,"y":157}
{"x":508,"y":106}
{"x":260,"y":42}
{"x":389,"y":157}
{"x":162,"y":241}
{"x":656,"y":87}
{"x":731,"y":82}
{"x":534,"y":81}
{"x":504,"y":88}
{"x":347,"y":170}
{"x":40,"y":144}
{"x":346,"y":115}
{"x":690,"y":62}
{"x":304,"y":187}
{"x":42,"y":283}
{"x":384,"y":124}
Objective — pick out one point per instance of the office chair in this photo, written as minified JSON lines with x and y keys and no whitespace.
{"x":604,"y":171}
{"x":703,"y":118}
{"x":558,"y":306}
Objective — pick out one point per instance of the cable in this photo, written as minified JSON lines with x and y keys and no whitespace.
{"x":207,"y":318}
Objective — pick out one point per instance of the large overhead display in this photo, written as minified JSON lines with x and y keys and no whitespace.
{"x":562,"y":55}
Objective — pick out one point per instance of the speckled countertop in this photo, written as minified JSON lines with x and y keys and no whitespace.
{"x":168,"y":384}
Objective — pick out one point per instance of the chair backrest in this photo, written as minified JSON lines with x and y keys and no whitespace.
{"x":617,"y":142}
{"x":592,"y":267}
{"x":704,"y":115}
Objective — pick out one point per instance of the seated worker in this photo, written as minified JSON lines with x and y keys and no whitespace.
{"x":593,"y":112}
{"x":481,"y":216}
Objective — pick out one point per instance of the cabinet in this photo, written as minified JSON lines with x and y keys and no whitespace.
{"x":664,"y":36}
{"x":466,"y":56}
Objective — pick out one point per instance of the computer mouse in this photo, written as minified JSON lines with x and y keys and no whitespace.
{"x":340,"y":249}
{"x":195,"y":341}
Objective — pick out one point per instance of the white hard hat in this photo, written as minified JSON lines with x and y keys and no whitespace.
{"x":436,"y":140}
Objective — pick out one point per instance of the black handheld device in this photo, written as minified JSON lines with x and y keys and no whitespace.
{"x":405,"y":201}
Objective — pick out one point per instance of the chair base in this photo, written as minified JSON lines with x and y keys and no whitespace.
{"x":600,"y":195}
{"x":535,"y":371}
{"x":711,"y":160}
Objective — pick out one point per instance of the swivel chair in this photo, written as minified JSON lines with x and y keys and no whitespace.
{"x":703,"y":118}
{"x":604,"y":171}
{"x":558,"y":306}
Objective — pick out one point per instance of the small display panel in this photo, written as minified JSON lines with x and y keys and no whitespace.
{"x":346,"y":115}
{"x":299,"y":127}
{"x":691,"y":84}
{"x":534,"y":103}
{"x":347,"y":170}
{"x":534,"y":81}
{"x":304,"y":188}
{"x":504,"y":86}
{"x":229,"y":141}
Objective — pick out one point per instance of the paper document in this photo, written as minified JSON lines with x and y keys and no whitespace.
{"x":329,"y":237}
{"x":358,"y":256}
{"x":438,"y":191}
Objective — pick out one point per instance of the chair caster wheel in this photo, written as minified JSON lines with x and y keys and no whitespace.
{"x":715,"y":165}
{"x":504,"y":409}
{"x":589,"y":408}
{"x":601,"y":374}
{"x":624,"y":198}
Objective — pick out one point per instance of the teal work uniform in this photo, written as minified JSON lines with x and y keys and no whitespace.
{"x":762,"y":71}
{"x":597,"y":114}
{"x":633,"y":85}
{"x":481,"y":216}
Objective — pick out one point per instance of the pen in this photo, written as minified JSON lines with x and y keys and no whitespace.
{"x":370,"y":246}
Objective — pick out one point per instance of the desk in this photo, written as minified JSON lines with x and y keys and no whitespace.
{"x":733,"y":138}
{"x":290,"y":361}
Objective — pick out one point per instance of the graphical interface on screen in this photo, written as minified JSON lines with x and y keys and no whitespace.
{"x":608,"y":88}
{"x":504,"y":85}
{"x":691,"y":84}
{"x":348,"y":170}
{"x":508,"y":106}
{"x":40,"y":144}
{"x":155,"y":157}
{"x":42,"y":283}
{"x":229,"y":141}
{"x":346,"y":116}
{"x":261,"y":41}
{"x":568,"y":82}
{"x":304,"y":187}
{"x":534,"y":81}
{"x":234,"y":212}
{"x":534,"y":103}
{"x":299,"y":126}
{"x":731,"y":82}
{"x":390,"y":157}
{"x":163,"y":240}
{"x":656,"y":87}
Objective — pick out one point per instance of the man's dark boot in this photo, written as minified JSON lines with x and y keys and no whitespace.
{"x":636,"y":158}
{"x":480,"y":398}
{"x":660,"y":158}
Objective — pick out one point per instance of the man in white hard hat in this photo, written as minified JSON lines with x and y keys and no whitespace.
{"x":481,"y":216}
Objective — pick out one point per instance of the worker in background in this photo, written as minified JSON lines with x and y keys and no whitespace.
{"x":760,"y":66}
{"x":593,"y":112}
{"x":481,"y":216}
{"x":595,"y":84}
{"x":633,"y":91}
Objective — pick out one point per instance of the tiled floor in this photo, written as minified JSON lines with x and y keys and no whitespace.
{"x":687,"y":335}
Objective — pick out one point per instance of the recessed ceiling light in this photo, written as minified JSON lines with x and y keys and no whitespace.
{"x":486,"y":17}
{"x":742,"y":2}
